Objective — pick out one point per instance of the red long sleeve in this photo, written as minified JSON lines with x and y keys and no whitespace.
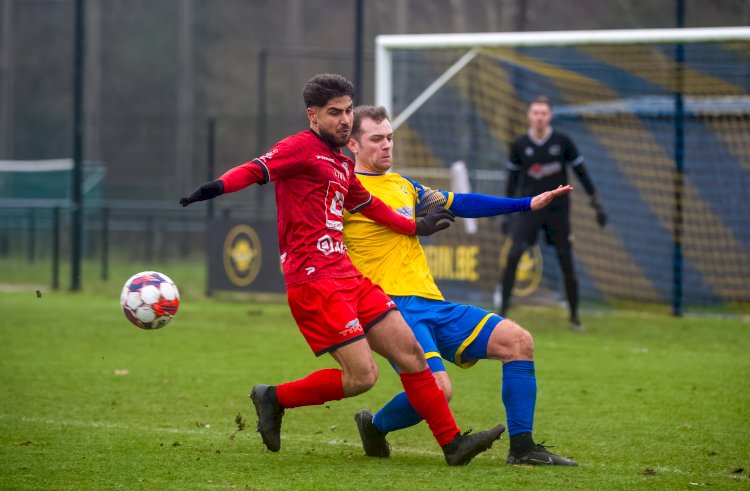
{"x":242,"y":176}
{"x":380,"y":212}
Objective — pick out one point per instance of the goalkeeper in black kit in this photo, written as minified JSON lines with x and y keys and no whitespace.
{"x":539,"y":161}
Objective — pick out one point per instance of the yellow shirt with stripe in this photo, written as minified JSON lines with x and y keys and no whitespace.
{"x":394,"y":261}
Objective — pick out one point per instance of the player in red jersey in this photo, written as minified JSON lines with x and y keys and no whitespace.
{"x":337,"y":309}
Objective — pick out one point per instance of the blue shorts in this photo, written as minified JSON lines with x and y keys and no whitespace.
{"x":454,"y":332}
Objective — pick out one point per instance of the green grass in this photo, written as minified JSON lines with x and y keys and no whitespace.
{"x":641,"y":400}
{"x":17,"y":273}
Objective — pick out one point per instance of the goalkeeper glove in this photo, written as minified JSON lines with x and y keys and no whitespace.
{"x":601,"y":215}
{"x":209,"y":190}
{"x":434,"y":222}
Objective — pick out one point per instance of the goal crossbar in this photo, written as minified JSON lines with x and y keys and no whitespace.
{"x":385,"y":44}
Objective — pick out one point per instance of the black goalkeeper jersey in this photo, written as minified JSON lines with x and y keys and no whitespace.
{"x":537,"y":166}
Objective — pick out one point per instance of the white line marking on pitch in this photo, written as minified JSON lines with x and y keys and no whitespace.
{"x":152,"y":429}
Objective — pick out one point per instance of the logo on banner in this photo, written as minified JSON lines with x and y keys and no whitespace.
{"x":529,"y":271}
{"x":242,"y":254}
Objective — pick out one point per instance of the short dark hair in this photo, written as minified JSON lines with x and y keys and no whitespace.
{"x":376,"y":113}
{"x":541,"y":99}
{"x":322,"y":88}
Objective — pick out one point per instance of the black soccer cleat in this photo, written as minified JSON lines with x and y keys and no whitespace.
{"x":269,"y":413}
{"x":465,"y":447}
{"x":373,"y":441}
{"x":539,"y":455}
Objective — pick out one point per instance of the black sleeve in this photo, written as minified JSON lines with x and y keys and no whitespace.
{"x":576,"y":161}
{"x":510,"y":190}
{"x":583,"y":176}
{"x":514,"y":171}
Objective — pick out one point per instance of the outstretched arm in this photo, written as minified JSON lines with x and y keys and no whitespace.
{"x":541,"y":200}
{"x":205,"y":191}
{"x":474,"y":205}
{"x":233,"y":180}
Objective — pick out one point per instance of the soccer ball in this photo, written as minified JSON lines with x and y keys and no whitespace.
{"x":149,"y":299}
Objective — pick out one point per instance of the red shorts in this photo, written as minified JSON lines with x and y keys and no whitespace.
{"x":334,"y":312}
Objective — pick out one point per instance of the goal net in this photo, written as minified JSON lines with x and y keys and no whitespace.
{"x":662,"y":118}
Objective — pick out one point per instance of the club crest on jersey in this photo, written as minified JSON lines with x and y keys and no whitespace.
{"x":268,"y":155}
{"x":554,"y":150}
{"x":327,"y":245}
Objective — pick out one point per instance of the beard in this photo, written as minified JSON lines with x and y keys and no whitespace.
{"x":333,"y":139}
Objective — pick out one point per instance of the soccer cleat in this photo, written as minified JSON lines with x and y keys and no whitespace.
{"x":465,"y":447}
{"x":539,"y":455}
{"x":575,"y":324}
{"x":269,"y":413}
{"x":373,"y":441}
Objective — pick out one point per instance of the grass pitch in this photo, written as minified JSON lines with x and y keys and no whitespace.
{"x":641,"y":400}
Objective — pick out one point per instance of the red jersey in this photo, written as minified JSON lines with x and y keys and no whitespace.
{"x":314,"y":184}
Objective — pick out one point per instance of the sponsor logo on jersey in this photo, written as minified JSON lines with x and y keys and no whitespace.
{"x":340,"y":175}
{"x":352,"y":327}
{"x":327,"y":245}
{"x":327,"y":159}
{"x":538,"y":171}
{"x":335,"y":195}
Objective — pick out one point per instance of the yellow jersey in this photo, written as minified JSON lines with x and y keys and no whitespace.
{"x":394,"y":261}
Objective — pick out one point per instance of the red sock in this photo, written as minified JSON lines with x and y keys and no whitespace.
{"x":429,"y":401}
{"x":313,"y":390}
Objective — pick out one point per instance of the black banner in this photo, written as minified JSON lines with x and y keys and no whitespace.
{"x":244,"y":257}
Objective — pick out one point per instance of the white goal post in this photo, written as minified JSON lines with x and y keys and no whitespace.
{"x":385,"y":44}
{"x":661,"y":116}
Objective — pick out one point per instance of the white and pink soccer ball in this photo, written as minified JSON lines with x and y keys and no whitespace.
{"x":150,"y":299}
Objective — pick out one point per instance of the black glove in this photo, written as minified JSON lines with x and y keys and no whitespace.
{"x":601,"y":215}
{"x":432,"y":223}
{"x":209,"y":190}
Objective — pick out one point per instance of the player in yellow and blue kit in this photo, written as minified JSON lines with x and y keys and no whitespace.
{"x":461,"y":334}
